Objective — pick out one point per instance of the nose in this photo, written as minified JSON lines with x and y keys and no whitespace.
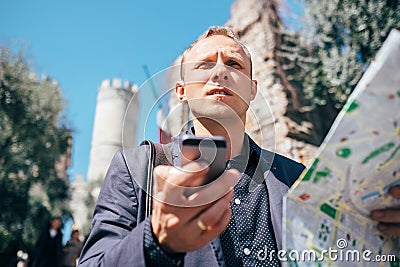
{"x":220,"y":74}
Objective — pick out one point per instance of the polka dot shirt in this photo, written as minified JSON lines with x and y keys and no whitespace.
{"x":249,"y":238}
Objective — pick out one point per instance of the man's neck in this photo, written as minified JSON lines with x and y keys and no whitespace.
{"x":233,"y":133}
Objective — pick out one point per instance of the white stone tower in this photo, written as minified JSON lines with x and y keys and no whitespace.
{"x":113,"y":99}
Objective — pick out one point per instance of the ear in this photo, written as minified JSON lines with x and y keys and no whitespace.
{"x":253,"y":92}
{"x":180,"y":91}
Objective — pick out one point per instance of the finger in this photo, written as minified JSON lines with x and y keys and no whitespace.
{"x":173,"y":203}
{"x":160,"y":174}
{"x":219,"y":227}
{"x":389,"y":229}
{"x":208,"y":214}
{"x":203,"y":237}
{"x":185,"y":214}
{"x":177,"y":206}
{"x":213,"y":214}
{"x":171,"y":182}
{"x":167,"y":222}
{"x":200,"y":238}
{"x":217,"y":189}
{"x":181,"y":177}
{"x":391,"y":216}
{"x":394,"y":191}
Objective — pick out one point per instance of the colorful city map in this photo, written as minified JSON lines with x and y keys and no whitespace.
{"x":354,"y":168}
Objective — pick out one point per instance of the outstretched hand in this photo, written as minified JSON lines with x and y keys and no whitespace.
{"x":181,"y":223}
{"x":389,"y":219}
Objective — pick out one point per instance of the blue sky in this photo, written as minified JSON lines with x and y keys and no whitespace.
{"x":81,"y":43}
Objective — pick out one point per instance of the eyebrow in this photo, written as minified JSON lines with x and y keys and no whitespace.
{"x":229,"y":54}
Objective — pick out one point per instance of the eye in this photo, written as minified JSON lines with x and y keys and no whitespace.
{"x":234,"y":64}
{"x":205,"y":65}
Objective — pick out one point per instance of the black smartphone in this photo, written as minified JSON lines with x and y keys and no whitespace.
{"x":211,"y":150}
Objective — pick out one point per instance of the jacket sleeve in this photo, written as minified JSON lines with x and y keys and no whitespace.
{"x":116,"y":238}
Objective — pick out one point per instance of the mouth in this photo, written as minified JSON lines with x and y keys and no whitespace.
{"x":220,"y":91}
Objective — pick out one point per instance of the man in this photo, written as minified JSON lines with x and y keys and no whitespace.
{"x":72,"y":249}
{"x":48,"y":249}
{"x":226,"y":223}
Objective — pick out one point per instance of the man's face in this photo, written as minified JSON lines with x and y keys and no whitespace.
{"x":217,"y":79}
{"x":75,"y":235}
{"x":56,"y":224}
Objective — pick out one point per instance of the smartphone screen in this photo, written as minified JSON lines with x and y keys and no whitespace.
{"x":211,"y":150}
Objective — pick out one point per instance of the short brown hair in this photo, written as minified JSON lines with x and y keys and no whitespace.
{"x":217,"y":30}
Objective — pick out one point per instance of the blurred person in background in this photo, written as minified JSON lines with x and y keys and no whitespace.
{"x":72,"y":250}
{"x":48,"y":249}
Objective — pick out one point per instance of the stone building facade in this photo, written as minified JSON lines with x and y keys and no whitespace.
{"x":259,"y":28}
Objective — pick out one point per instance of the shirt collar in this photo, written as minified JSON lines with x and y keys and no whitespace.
{"x":248,"y":158}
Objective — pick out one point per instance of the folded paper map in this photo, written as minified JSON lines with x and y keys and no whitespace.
{"x":329,"y":206}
